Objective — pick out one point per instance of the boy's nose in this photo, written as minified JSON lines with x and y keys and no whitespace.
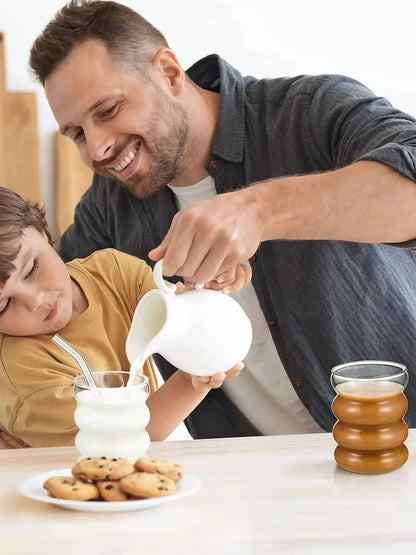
{"x":33,"y":299}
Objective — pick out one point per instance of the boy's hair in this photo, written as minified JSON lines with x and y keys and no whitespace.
{"x":129,"y":38}
{"x":16,"y":214}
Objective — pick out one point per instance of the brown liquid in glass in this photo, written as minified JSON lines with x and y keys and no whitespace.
{"x":370,"y":430}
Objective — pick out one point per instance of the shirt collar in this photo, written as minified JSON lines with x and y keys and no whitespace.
{"x":213,"y":73}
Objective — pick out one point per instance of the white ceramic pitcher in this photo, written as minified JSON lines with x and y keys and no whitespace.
{"x":200,"y":331}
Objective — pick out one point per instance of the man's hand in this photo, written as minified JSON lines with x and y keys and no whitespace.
{"x":210,"y":237}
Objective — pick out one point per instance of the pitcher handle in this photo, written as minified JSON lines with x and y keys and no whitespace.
{"x":161,"y":284}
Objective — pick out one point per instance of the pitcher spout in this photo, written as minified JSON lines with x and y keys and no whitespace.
{"x":148,"y":320}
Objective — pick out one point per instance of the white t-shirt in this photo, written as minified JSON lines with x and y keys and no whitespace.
{"x":263,"y":391}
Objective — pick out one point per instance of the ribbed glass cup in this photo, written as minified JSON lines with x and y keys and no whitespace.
{"x":369,"y":406}
{"x":111,"y":417}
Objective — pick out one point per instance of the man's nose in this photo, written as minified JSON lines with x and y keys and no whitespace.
{"x":99,"y":143}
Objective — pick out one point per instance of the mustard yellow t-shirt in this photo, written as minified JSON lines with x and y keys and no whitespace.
{"x":37,"y":377}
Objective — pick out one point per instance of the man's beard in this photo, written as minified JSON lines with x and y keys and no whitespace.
{"x":166,"y":151}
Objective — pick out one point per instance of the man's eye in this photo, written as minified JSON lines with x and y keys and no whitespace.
{"x":110,"y":111}
{"x":6,"y":306}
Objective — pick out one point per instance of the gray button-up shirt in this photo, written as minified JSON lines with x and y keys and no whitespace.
{"x":326,"y":302}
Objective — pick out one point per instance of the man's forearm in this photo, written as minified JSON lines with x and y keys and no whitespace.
{"x":366,"y":202}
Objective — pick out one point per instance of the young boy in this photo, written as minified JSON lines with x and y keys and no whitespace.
{"x":90,"y":302}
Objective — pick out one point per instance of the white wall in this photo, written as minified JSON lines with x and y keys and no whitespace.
{"x":370,"y":40}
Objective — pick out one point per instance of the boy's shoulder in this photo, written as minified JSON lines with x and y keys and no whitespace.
{"x":105,"y":258}
{"x":11,"y":344}
{"x":106,"y":254}
{"x":111,"y":266}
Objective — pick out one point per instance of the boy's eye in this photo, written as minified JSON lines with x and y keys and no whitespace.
{"x":6,"y":306}
{"x":33,"y":268}
{"x":79,"y":135}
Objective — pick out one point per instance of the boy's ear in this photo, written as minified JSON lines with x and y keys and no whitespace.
{"x":169,"y":69}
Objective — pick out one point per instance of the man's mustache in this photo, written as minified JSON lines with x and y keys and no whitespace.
{"x":103,"y":164}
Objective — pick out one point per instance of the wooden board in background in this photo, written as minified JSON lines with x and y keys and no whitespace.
{"x":20,"y":153}
{"x":19,"y":141}
{"x":72,"y":179}
{"x":2,"y":94}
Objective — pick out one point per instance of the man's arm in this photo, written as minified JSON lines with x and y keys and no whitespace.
{"x":89,"y":231}
{"x":366,"y":201}
{"x":365,"y":190}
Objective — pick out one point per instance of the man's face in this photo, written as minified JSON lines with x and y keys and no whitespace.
{"x":38,"y":296}
{"x":125,"y":128}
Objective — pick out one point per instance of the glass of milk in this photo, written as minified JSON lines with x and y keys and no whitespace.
{"x":111,"y":417}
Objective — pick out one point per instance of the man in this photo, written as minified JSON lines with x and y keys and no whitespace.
{"x":334,"y":171}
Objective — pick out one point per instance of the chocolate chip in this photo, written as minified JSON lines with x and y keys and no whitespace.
{"x":109,"y":486}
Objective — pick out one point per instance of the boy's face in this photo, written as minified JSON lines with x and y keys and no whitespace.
{"x":37,"y":297}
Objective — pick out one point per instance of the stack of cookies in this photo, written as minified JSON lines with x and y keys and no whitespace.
{"x":105,"y":479}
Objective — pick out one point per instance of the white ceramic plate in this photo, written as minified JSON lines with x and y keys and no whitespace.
{"x":33,"y":488}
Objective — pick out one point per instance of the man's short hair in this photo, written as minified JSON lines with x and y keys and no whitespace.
{"x":129,"y":38}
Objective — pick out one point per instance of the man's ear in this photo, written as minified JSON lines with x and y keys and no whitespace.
{"x":168,"y":68}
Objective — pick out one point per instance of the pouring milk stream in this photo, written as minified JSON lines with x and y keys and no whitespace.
{"x":200,"y":331}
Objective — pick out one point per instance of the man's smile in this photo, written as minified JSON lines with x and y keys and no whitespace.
{"x":126,"y":161}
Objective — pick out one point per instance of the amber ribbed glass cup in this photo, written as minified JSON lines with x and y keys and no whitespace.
{"x":369,"y":406}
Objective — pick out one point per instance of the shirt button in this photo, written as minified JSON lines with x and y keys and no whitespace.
{"x":271,"y":322}
{"x":213,"y":165}
{"x":298,"y":382}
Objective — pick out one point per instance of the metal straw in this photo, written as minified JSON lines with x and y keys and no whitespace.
{"x":77,"y":356}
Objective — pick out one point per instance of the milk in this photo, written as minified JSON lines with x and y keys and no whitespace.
{"x":112,"y":422}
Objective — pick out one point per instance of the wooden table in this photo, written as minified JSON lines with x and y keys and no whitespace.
{"x":276,"y":494}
